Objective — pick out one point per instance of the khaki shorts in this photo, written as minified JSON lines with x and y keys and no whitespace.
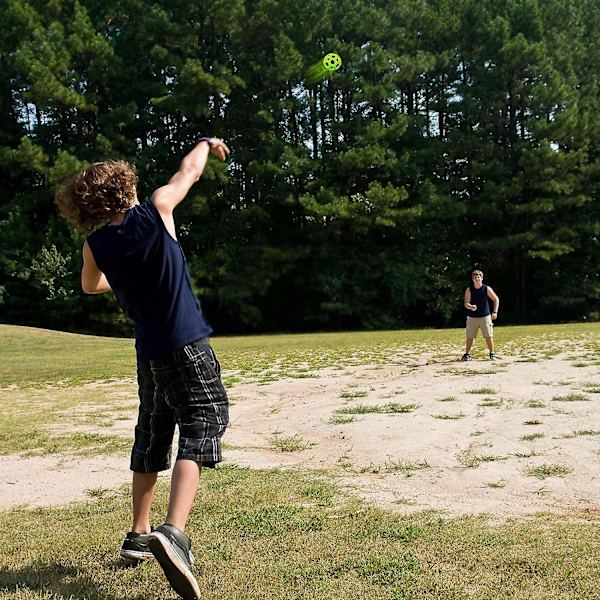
{"x":483,"y":323}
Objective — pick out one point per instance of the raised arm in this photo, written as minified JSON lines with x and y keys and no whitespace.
{"x":93,"y":280}
{"x":167,"y":197}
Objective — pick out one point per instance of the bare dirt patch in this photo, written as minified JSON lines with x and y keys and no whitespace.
{"x":459,"y":451}
{"x":457,"y":437}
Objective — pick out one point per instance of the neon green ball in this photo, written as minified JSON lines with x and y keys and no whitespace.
{"x":332,"y":61}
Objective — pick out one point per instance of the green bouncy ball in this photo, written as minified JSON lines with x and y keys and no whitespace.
{"x":332,"y":61}
{"x":324,"y":68}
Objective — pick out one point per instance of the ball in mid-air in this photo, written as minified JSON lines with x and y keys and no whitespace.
{"x":332,"y":61}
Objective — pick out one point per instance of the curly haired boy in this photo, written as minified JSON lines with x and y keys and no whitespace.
{"x":132,"y":249}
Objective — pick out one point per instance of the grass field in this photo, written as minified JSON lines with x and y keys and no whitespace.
{"x":271,"y":533}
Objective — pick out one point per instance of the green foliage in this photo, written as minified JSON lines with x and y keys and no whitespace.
{"x":455,"y":134}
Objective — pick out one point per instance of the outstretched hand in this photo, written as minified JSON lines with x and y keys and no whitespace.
{"x":219,"y":148}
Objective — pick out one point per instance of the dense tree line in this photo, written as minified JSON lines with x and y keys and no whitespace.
{"x":456,"y":134}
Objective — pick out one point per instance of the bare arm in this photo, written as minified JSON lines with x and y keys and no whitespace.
{"x":468,"y":300}
{"x":494,"y":298}
{"x":93,"y":280}
{"x":167,"y":197}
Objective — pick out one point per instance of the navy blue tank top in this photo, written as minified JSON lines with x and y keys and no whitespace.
{"x":147,"y":271}
{"x":480,"y":298}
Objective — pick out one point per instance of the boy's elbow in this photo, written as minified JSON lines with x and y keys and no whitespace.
{"x":86,"y":289}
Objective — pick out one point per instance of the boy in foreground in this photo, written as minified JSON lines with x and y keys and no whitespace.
{"x":133,"y":251}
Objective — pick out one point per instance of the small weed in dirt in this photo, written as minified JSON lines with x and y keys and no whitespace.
{"x":349,"y":395}
{"x":391,"y":408}
{"x":293,"y":443}
{"x":545,"y":471}
{"x":592,"y":388}
{"x":532,"y":436}
{"x":490,"y":403}
{"x":98,"y":492}
{"x":582,"y":432}
{"x":405,"y":501}
{"x":450,"y":417}
{"x":341,"y":419}
{"x":571,"y":398}
{"x":534,"y":404}
{"x":498,"y":485}
{"x":483,"y":390}
{"x":393,"y":466}
{"x":472,"y":461}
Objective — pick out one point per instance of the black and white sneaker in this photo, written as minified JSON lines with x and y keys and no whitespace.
{"x":171,"y":548}
{"x":492,"y":356}
{"x":466,"y":356}
{"x":135,"y":547}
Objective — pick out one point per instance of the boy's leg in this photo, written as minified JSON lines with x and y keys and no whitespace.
{"x":151,"y":450}
{"x":143,"y":487}
{"x":468,"y":345}
{"x":194,"y":391}
{"x":488,"y":333}
{"x":184,"y":485}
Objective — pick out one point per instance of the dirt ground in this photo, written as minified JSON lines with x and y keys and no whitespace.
{"x":471,"y":433}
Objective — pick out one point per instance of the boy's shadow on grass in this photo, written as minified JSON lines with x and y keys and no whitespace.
{"x":65,"y":581}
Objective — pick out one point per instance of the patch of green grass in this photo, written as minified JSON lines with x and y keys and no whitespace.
{"x":469,"y":460}
{"x":447,"y":399}
{"x":32,"y":357}
{"x":230,"y":380}
{"x":341,"y":419}
{"x":349,"y":394}
{"x":490,"y":403}
{"x":532,"y":436}
{"x":529,"y":454}
{"x":402,"y":501}
{"x":69,"y":414}
{"x":293,"y":443}
{"x":592,"y":388}
{"x":545,"y":471}
{"x":97,"y":492}
{"x":281,"y":534}
{"x":497,"y":485}
{"x":391,"y":408}
{"x":532,"y":422}
{"x":534,"y":404}
{"x":482,"y":390}
{"x":393,"y":466}
{"x":477,"y":433}
{"x":450,"y":417}
{"x":582,"y":432}
{"x":571,"y":398}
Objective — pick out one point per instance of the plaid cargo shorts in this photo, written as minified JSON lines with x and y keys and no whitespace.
{"x":184,"y":388}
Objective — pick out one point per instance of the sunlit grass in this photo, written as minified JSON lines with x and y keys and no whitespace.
{"x":282,"y":534}
{"x":71,"y":359}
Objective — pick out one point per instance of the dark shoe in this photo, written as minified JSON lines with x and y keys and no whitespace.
{"x":492,"y":356}
{"x":466,"y":356}
{"x":171,"y":548}
{"x":135,"y":547}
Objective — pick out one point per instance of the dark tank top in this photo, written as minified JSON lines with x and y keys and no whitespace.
{"x":146,"y":269}
{"x":480,"y":298}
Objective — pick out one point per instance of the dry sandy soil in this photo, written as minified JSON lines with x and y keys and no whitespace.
{"x":464,"y":455}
